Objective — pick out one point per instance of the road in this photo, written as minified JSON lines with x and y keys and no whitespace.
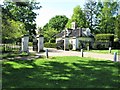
{"x":55,"y":52}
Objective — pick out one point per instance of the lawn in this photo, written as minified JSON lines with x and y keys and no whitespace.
{"x":104,"y":51}
{"x":60,"y":72}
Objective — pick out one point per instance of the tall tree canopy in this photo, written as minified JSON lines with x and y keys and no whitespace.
{"x":12,"y":30}
{"x":106,"y":17}
{"x":91,"y":10}
{"x":58,"y":22}
{"x":117,"y":26}
{"x":78,"y":17}
{"x":23,"y":12}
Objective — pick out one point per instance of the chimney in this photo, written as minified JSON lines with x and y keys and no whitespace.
{"x":80,"y":32}
{"x":73,"y":25}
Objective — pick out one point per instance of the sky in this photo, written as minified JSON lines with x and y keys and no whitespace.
{"x":51,"y":8}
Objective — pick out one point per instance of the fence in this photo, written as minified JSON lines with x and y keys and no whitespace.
{"x":10,"y":48}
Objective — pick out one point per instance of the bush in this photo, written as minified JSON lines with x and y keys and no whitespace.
{"x":101,"y":45}
{"x":116,"y":45}
{"x":104,"y":37}
{"x":70,"y":46}
{"x":103,"y":41}
{"x":116,"y":39}
{"x":30,"y":44}
{"x":50,"y":45}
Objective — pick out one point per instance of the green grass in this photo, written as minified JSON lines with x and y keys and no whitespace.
{"x":15,"y":54}
{"x":60,"y":72}
{"x":104,"y":51}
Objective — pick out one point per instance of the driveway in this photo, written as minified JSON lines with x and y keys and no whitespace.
{"x":55,"y":52}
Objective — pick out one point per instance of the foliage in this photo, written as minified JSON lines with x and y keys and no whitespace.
{"x":104,"y":51}
{"x":104,"y":37}
{"x":107,"y":21}
{"x":101,"y":45}
{"x":12,"y":30}
{"x":58,"y":22}
{"x":103,"y":41}
{"x":60,"y":72}
{"x":116,"y":39}
{"x":117,"y":26}
{"x":50,"y":45}
{"x":78,"y":17}
{"x":70,"y":46}
{"x":55,"y":25}
{"x":23,"y":12}
{"x":49,"y":34}
{"x":92,"y":9}
{"x":30,"y":44}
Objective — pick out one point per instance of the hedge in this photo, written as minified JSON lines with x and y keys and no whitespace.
{"x":50,"y":45}
{"x":104,"y":37}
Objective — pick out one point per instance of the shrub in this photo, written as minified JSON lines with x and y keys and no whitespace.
{"x":104,"y":37}
{"x":103,"y":41}
{"x":70,"y":46}
{"x":101,"y":45}
{"x":116,"y":39}
{"x":30,"y":44}
{"x":50,"y":45}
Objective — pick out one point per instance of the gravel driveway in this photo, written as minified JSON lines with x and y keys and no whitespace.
{"x":55,"y":52}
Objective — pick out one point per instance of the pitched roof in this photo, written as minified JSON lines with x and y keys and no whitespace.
{"x":73,"y":33}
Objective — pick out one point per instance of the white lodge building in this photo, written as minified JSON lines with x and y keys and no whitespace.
{"x":74,"y":38}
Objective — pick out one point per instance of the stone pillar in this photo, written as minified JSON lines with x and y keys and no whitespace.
{"x":40,"y":43}
{"x":74,"y":44}
{"x":25,"y":40}
{"x":66,"y":43}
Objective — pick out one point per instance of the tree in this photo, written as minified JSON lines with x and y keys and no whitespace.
{"x":117,"y":26}
{"x":78,"y":17}
{"x":23,"y":12}
{"x":107,"y":21}
{"x":55,"y":25}
{"x":58,"y":22}
{"x":91,"y":11}
{"x":12,"y":30}
{"x":49,"y":35}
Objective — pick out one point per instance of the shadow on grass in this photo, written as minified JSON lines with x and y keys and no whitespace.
{"x":54,"y":74}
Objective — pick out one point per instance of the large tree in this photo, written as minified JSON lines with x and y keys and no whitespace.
{"x":91,"y":10}
{"x":55,"y":25}
{"x":12,"y":30}
{"x":58,"y":22}
{"x":117,"y":26}
{"x":49,"y":35}
{"x":78,"y":17}
{"x":23,"y":12}
{"x":106,"y":17}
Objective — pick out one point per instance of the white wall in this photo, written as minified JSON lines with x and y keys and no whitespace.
{"x":66,"y":43}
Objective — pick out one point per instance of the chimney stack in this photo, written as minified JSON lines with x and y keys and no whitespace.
{"x":73,"y":25}
{"x":80,"y":32}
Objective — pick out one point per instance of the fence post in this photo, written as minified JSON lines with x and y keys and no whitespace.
{"x":82,"y":52}
{"x":46,"y":53}
{"x":115,"y":56}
